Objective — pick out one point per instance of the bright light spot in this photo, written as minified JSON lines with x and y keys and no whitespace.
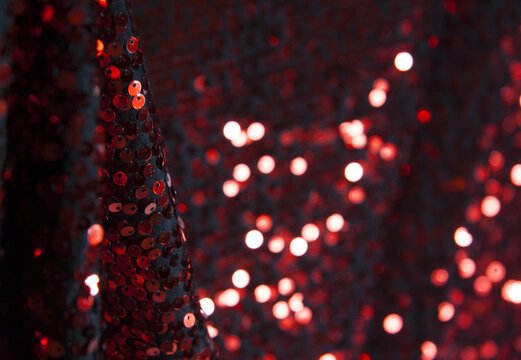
{"x":377,"y":97}
{"x":310,"y":232}
{"x":241,"y":172}
{"x":232,"y":343}
{"x":256,"y":131}
{"x":207,"y":306}
{"x":264,"y":222}
{"x":511,"y":291}
{"x":298,"y":246}
{"x":232,"y":130}
{"x":356,"y":195}
{"x":445,"y":311}
{"x":381,"y":84}
{"x":482,"y":285}
{"x":429,"y":350}
{"x":212,"y":331}
{"x":92,"y":282}
{"x":353,"y":172}
{"x":462,"y":237}
{"x":229,"y":297}
{"x":304,"y":316}
{"x":231,"y":188}
{"x":286,"y":286}
{"x":388,"y":152}
{"x":439,"y":277}
{"x":240,"y":140}
{"x":495,"y":271}
{"x":490,"y":206}
{"x":266,"y":164}
{"x":515,"y":175}
{"x":240,"y":278}
{"x":281,"y":310}
{"x":276,"y":244}
{"x":95,"y":234}
{"x":467,"y":268}
{"x":298,"y":166}
{"x":403,"y":61}
{"x":335,"y":223}
{"x":254,"y":239}
{"x":295,"y":302}
{"x":327,"y":356}
{"x":262,"y":293}
{"x":393,"y":323}
{"x":353,"y":129}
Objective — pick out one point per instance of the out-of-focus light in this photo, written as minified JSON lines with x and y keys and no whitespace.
{"x":353,"y":172}
{"x":254,"y":239}
{"x":482,"y":285}
{"x":298,"y":166}
{"x":281,"y":310}
{"x":515,"y":175}
{"x":495,"y":271}
{"x":276,"y":244}
{"x":511,"y":291}
{"x":445,"y":311}
{"x":381,"y":84}
{"x":467,"y":268}
{"x":377,"y":98}
{"x":403,"y":61}
{"x":356,"y":195}
{"x":262,"y":293}
{"x":241,"y":172}
{"x":212,"y":331}
{"x":266,"y":164}
{"x":304,"y":316}
{"x":393,"y":323}
{"x":388,"y":152}
{"x":207,"y":306}
{"x":327,"y":356}
{"x":439,"y":277}
{"x":335,"y":223}
{"x":95,"y":234}
{"x":256,"y":131}
{"x":490,"y":206}
{"x":295,"y":302}
{"x":232,"y":130}
{"x":231,"y":188}
{"x":286,"y":286}
{"x":298,"y":246}
{"x":424,"y":116}
{"x":99,"y":45}
{"x":232,"y":343}
{"x":240,"y":140}
{"x":229,"y":297}
{"x":462,"y":237}
{"x":310,"y":232}
{"x":92,"y":282}
{"x":240,"y":278}
{"x":264,"y":222}
{"x":429,"y":350}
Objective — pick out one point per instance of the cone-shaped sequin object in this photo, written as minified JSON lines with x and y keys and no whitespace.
{"x":150,"y":306}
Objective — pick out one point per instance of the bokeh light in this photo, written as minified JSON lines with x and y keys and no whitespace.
{"x":393,"y":323}
{"x":403,"y":61}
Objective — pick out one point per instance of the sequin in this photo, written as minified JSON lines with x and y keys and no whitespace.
{"x":115,"y":207}
{"x":132,"y":44}
{"x":119,"y":142}
{"x":134,"y":88}
{"x":147,"y":243}
{"x":120,"y":178}
{"x":142,"y":192}
{"x":112,"y":72}
{"x":130,"y":209}
{"x":139,"y":101}
{"x":121,"y":102}
{"x":150,"y":208}
{"x":189,"y":320}
{"x":154,"y":254}
{"x":113,"y":49}
{"x":159,"y":296}
{"x":158,"y":187}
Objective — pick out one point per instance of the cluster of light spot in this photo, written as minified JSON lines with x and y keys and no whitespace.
{"x":353,"y":134}
{"x":353,"y":172}
{"x":393,"y":323}
{"x":254,"y":239}
{"x":462,"y":237}
{"x":240,"y":278}
{"x":240,"y":140}
{"x":229,"y":298}
{"x":335,"y":222}
{"x":295,"y":302}
{"x":232,"y":130}
{"x":298,"y":166}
